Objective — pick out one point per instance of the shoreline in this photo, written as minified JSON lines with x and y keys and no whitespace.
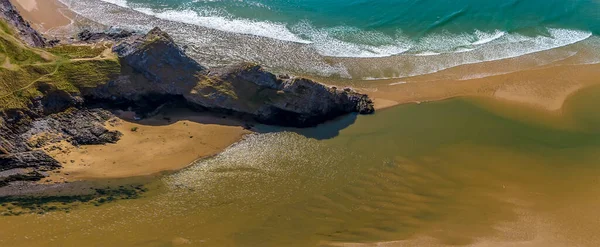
{"x":543,"y":89}
{"x":531,"y":90}
{"x":170,"y":141}
{"x":453,"y":171}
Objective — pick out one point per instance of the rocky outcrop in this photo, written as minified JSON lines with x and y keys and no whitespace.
{"x":153,"y":70}
{"x":22,"y":135}
{"x":245,"y":89}
{"x":26,"y":32}
{"x":31,"y":159}
{"x":113,"y":34}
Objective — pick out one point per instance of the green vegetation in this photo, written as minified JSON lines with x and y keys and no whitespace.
{"x":77,"y":51}
{"x":13,"y":206}
{"x":5,"y":28}
{"x":210,"y":86}
{"x":17,"y":52}
{"x":72,"y":75}
{"x":134,"y":129}
{"x":68,"y":68}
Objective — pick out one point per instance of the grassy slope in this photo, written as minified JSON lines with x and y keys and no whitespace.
{"x":69,"y":68}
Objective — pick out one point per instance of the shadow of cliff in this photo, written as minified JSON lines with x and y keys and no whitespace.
{"x":327,"y":130}
{"x":168,"y":116}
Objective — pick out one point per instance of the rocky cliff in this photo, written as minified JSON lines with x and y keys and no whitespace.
{"x":50,"y":95}
{"x":244,"y":89}
{"x":25,"y":31}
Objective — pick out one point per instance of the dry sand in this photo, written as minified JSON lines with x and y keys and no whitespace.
{"x":157,"y":147}
{"x":44,"y":15}
{"x":148,"y":147}
{"x":544,"y":88}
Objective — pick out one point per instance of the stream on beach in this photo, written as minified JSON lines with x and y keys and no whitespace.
{"x":453,"y":172}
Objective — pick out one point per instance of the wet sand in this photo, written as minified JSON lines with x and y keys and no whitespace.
{"x":437,"y":174}
{"x":517,"y":80}
{"x":545,"y":88}
{"x":45,"y":15}
{"x":485,"y":186}
{"x":147,"y":147}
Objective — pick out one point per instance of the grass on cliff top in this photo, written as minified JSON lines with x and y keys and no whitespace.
{"x":17,"y":53}
{"x":74,"y":75}
{"x":4,"y":27}
{"x":69,"y":68}
{"x":77,"y":51}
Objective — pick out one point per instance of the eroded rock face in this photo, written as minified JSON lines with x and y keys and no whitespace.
{"x":288,"y":101}
{"x":154,"y":67}
{"x":110,"y":35}
{"x":26,"y":32}
{"x":22,"y":136}
{"x":245,"y":89}
{"x":30,"y":159}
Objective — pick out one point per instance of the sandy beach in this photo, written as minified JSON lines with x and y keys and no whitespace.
{"x":543,"y":88}
{"x":167,"y":142}
{"x":45,"y":15}
{"x":480,"y":170}
{"x":174,"y":145}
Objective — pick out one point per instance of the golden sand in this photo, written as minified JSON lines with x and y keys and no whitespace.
{"x":148,"y":147}
{"x":44,"y":15}
{"x":544,"y":88}
{"x":157,"y":145}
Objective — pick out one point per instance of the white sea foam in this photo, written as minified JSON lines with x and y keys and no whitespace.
{"x":483,"y":37}
{"x":427,"y":53}
{"x":462,"y":49}
{"x":122,"y":3}
{"x":518,"y":45}
{"x":352,"y":42}
{"x":220,"y":22}
{"x":508,"y":46}
{"x":325,"y":42}
{"x":409,"y":56}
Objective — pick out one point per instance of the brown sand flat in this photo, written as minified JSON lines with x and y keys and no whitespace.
{"x":44,"y":15}
{"x":544,"y":88}
{"x":148,"y":147}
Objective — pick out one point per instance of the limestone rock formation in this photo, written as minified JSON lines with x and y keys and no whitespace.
{"x":244,"y":89}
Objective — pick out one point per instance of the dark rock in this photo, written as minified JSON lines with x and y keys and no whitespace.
{"x":85,"y":127}
{"x":109,"y":35}
{"x":53,"y":42}
{"x":244,"y":90}
{"x":55,"y":100}
{"x":162,"y":62}
{"x":31,"y":159}
{"x":78,"y":126}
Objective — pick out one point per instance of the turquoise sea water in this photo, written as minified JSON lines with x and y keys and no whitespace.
{"x":484,"y":30}
{"x":412,"y":17}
